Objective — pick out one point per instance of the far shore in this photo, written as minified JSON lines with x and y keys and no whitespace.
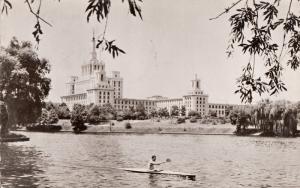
{"x":153,"y":127}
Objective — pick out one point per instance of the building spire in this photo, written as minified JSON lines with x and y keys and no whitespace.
{"x":94,"y":53}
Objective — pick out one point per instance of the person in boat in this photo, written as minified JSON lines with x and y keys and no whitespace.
{"x":152,"y":163}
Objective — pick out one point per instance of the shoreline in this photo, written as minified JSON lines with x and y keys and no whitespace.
{"x":143,"y":127}
{"x":165,"y":126}
{"x":130,"y":132}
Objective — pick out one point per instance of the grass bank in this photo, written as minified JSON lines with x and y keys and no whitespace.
{"x":151,"y":127}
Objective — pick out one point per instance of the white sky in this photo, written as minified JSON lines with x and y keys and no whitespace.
{"x":174,"y":42}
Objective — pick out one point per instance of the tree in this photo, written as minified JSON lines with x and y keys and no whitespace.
{"x":254,"y":26}
{"x":212,"y":113}
{"x":163,"y":112}
{"x":174,"y":111}
{"x":3,"y":119}
{"x":78,"y":118}
{"x":140,"y":112}
{"x":183,"y":111}
{"x":93,"y":115}
{"x":110,"y":111}
{"x":23,"y":82}
{"x":63,"y":111}
{"x":153,"y":113}
{"x":48,"y":117}
{"x":193,"y":113}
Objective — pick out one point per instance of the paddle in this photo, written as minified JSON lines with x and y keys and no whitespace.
{"x":167,"y":161}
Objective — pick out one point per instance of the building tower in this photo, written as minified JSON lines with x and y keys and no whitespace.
{"x":196,"y":87}
{"x":196,"y":100}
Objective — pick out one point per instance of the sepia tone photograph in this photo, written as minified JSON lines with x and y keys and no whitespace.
{"x":149,"y":93}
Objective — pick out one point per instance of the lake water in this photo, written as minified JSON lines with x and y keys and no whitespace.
{"x":69,"y":160}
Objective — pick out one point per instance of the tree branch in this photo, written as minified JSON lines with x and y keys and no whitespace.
{"x":226,"y":10}
{"x":35,"y":14}
{"x":105,"y":27}
{"x":284,"y":34}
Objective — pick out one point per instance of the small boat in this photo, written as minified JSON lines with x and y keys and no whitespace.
{"x":164,"y":172}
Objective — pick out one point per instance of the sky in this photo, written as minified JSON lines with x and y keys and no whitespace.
{"x":174,"y":41}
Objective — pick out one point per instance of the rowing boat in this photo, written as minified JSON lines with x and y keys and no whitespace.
{"x":164,"y":172}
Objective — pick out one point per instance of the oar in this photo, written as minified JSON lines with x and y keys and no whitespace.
{"x":167,"y":161}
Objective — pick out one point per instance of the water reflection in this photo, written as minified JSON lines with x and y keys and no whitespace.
{"x":19,"y":166}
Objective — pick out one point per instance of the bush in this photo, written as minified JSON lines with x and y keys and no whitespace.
{"x":48,"y":117}
{"x":159,"y":129}
{"x":52,"y":117}
{"x":128,"y":125}
{"x":78,"y":118}
{"x":63,"y":111}
{"x":141,"y":117}
{"x":119,"y":118}
{"x":193,"y":113}
{"x":158,"y":120}
{"x":180,"y":120}
{"x":193,"y":120}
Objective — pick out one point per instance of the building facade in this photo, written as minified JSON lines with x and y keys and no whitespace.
{"x":95,"y":86}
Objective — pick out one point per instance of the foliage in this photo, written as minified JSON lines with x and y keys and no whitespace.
{"x":153,"y":113}
{"x":183,"y":111}
{"x":193,"y":120}
{"x":133,"y":113}
{"x":78,"y":117}
{"x":119,"y":118}
{"x":63,"y":111}
{"x":98,"y":114}
{"x":109,"y":111}
{"x":3,"y":119}
{"x":193,"y":113}
{"x":174,"y":111}
{"x":94,"y":115}
{"x":253,"y":30}
{"x":163,"y":112}
{"x":140,"y":108}
{"x":212,"y":113}
{"x":128,"y":125}
{"x":180,"y":120}
{"x":23,"y":82}
{"x":48,"y":117}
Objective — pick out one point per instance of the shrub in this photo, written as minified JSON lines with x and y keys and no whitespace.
{"x":63,"y":111}
{"x":184,"y":129}
{"x":3,"y":119}
{"x":52,"y":117}
{"x":141,"y":117}
{"x":159,"y":129}
{"x":158,"y":120}
{"x":193,"y":113}
{"x":193,"y":120}
{"x":128,"y":125}
{"x":180,"y":120}
{"x":78,"y":118}
{"x":119,"y":118}
{"x":48,"y":117}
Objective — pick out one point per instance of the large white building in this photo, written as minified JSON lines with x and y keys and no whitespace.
{"x":95,"y":86}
